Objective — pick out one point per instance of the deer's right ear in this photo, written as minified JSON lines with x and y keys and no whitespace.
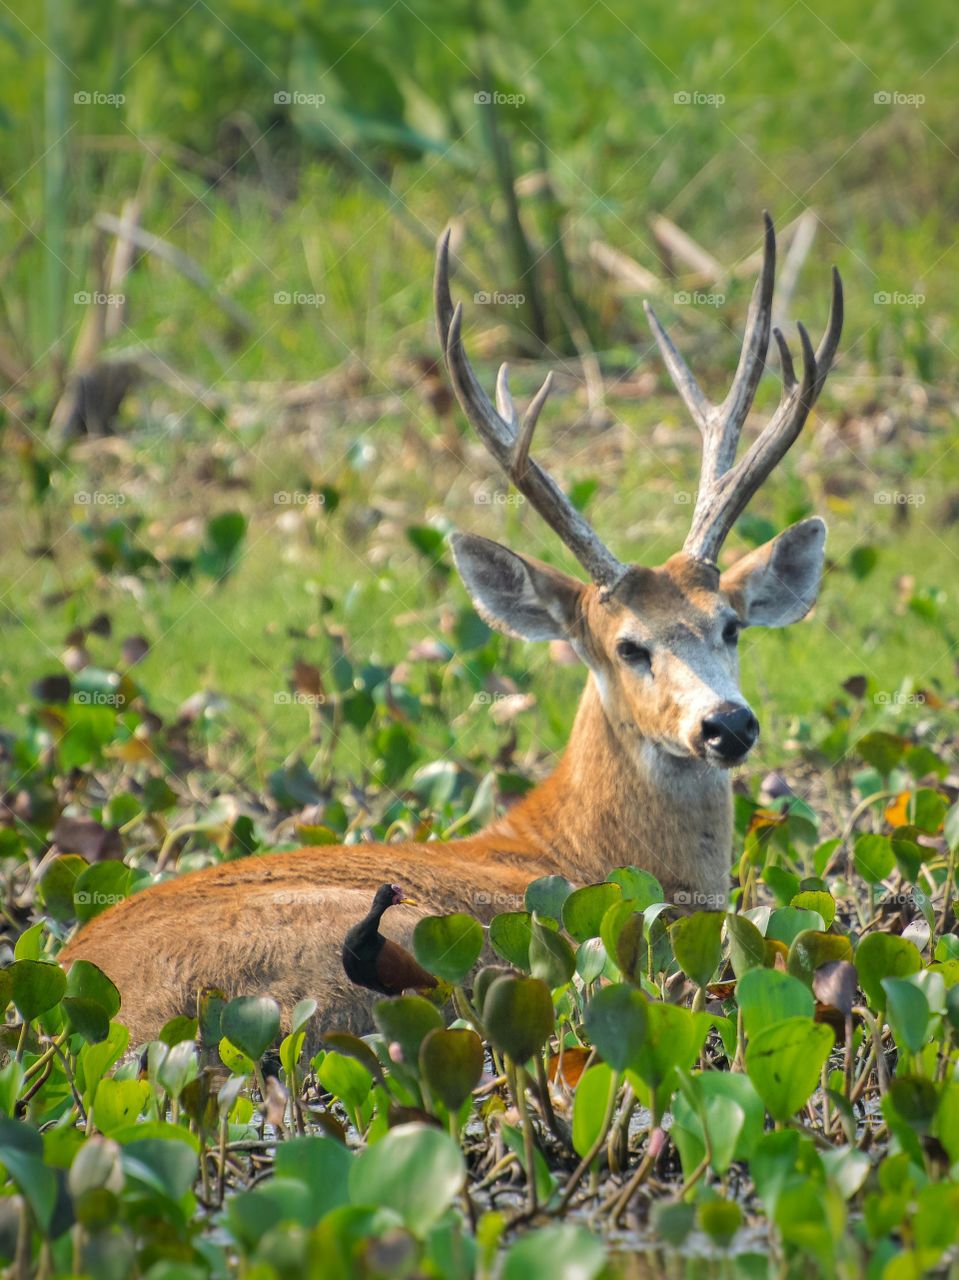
{"x":515,"y":594}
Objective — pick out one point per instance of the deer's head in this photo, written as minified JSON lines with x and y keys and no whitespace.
{"x":660,"y":643}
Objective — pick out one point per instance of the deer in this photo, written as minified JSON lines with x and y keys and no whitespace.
{"x":646,"y":776}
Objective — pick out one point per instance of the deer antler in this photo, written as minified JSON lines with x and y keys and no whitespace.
{"x":725,"y":489}
{"x":508,"y":438}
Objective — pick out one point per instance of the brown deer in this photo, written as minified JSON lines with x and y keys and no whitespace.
{"x":645,"y":776}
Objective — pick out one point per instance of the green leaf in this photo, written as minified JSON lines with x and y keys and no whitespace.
{"x":812,"y":949}
{"x":518,"y":1015}
{"x":674,"y":1040}
{"x":697,"y":944}
{"x":562,"y":1252}
{"x":166,"y":1164}
{"x":346,"y":1078}
{"x":747,"y":947}
{"x":448,"y":946}
{"x":616,"y":1023}
{"x":817,"y":900}
{"x":882,"y":750}
{"x":638,"y":886}
{"x":509,"y":935}
{"x":551,"y":958}
{"x":37,"y":987}
{"x":407,"y":1020}
{"x":100,"y":886}
{"x":590,"y":1103}
{"x":415,"y":1170}
{"x":883,"y":955}
{"x":584,"y":909}
{"x":786,"y":923}
{"x":57,"y":888}
{"x":251,"y":1024}
{"x":117,"y":1103}
{"x":720,"y":1219}
{"x":21,"y":1154}
{"x":451,"y":1062}
{"x":767,"y":995}
{"x":547,"y":895}
{"x":874,"y":857}
{"x":88,"y":981}
{"x":323,"y":1164}
{"x":908,"y":1013}
{"x":784,"y":1062}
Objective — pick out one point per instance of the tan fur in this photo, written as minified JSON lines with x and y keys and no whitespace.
{"x":632,"y":787}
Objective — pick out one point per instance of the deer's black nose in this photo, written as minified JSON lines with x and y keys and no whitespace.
{"x":730,"y":732}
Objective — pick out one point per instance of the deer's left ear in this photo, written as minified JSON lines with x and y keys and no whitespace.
{"x":778,"y":582}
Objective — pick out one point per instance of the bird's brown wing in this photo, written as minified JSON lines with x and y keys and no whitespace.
{"x":398,"y":971}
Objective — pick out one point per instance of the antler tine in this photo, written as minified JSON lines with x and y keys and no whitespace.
{"x":718,"y":509}
{"x":721,"y":424}
{"x":508,"y":439}
{"x":734,"y":409}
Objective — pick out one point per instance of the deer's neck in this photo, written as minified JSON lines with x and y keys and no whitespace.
{"x":615,"y":799}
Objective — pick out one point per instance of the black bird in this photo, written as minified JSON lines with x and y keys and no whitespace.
{"x":372,"y":961}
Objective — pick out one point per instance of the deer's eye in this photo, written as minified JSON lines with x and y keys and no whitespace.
{"x":633,"y":654}
{"x":731,"y":631}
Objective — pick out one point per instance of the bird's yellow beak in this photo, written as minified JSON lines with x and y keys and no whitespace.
{"x":407,"y":902}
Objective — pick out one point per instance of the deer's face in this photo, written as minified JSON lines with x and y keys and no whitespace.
{"x":663,"y":646}
{"x":663,"y":651}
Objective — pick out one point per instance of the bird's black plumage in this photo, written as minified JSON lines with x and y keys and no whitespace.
{"x":378,"y":963}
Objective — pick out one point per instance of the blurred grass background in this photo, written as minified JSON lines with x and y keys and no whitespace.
{"x":305,"y":159}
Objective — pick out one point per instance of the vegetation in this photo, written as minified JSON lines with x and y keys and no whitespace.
{"x":232,"y":627}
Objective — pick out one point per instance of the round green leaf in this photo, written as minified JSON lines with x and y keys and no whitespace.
{"x":698,"y":945}
{"x":509,"y":935}
{"x":37,"y":987}
{"x":448,"y":946}
{"x":589,"y":1105}
{"x":451,"y":1062}
{"x":884,"y":955}
{"x":563,"y":1252}
{"x":616,"y":1022}
{"x":747,"y":946}
{"x":251,"y":1024}
{"x":874,"y":857}
{"x":812,"y":949}
{"x":546,"y":896}
{"x":784,"y":1062}
{"x":584,"y":909}
{"x":551,"y":957}
{"x":638,"y":886}
{"x":415,"y":1170}
{"x":518,"y":1015}
{"x":86,"y":980}
{"x":907,"y":1010}
{"x":766,"y":996}
{"x":406,"y":1020}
